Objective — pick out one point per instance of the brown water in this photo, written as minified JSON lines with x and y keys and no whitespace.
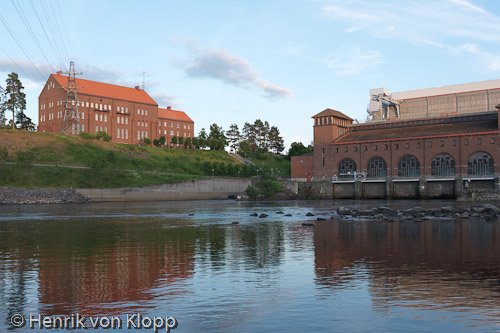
{"x":269,"y":274}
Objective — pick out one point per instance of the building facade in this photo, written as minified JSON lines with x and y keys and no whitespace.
{"x":174,"y":123}
{"x":406,"y":156}
{"x":128,"y":115}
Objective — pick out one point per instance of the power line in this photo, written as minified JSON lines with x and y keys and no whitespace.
{"x":63,"y":43}
{"x":52,"y":32}
{"x":65,"y":30}
{"x":12,"y":60}
{"x":28,"y":27}
{"x":58,"y":55}
{"x":20,"y":45}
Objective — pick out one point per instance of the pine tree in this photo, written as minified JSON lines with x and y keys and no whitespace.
{"x":234,"y":137}
{"x":3,"y":106}
{"x":250,"y":136}
{"x":275,"y":140}
{"x":16,"y":99}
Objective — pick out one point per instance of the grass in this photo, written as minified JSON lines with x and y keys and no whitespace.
{"x":279,"y":164}
{"x":109,"y":163}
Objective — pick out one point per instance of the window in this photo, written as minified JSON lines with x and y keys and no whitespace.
{"x":106,"y":129}
{"x":377,"y":168}
{"x":365,"y":148}
{"x":100,"y":117}
{"x":105,"y":107}
{"x":97,"y":129}
{"x":138,"y":124}
{"x":386,"y":147}
{"x":337,"y":150}
{"x":407,"y":146}
{"x":184,"y":126}
{"x":165,"y":132}
{"x":122,"y":109}
{"x":346,"y":168}
{"x":443,"y":165}
{"x":117,"y":109}
{"x":146,"y":112}
{"x":159,"y":123}
{"x":100,"y":106}
{"x":87,"y":104}
{"x":92,"y":104}
{"x":96,"y":117}
{"x":492,"y":140}
{"x":177,"y":125}
{"x":355,"y":148}
{"x":177,"y":133}
{"x":165,"y":123}
{"x":418,"y":145}
{"x":171,"y":132}
{"x":126,"y":134}
{"x":189,"y":126}
{"x":375,"y":148}
{"x":117,"y":120}
{"x":408,"y":166}
{"x":83,"y":128}
{"x":122,"y":133}
{"x":323,"y":157}
{"x":480,"y":163}
{"x":83,"y":115}
{"x":441,"y":143}
{"x":396,"y":146}
{"x":138,"y":134}
{"x":454,"y":143}
{"x":126,"y":121}
{"x":346,"y":149}
{"x":126,"y":110}
{"x":138,"y":111}
{"x":430,"y":144}
{"x":142,"y":112}
{"x":479,"y":141}
{"x":100,"y":128}
{"x":146,"y":124}
{"x":122,"y":119}
{"x":466,"y":142}
{"x":171,"y":124}
{"x":118,"y":133}
{"x":105,"y":117}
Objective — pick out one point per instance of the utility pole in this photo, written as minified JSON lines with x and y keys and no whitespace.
{"x":71,"y":121}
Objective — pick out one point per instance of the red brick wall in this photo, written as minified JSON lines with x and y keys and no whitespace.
{"x":302,"y":166}
{"x":169,"y":128}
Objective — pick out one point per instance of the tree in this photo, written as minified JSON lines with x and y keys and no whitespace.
{"x":234,"y":137}
{"x":216,"y":139}
{"x":180,"y":140}
{"x":16,"y":99}
{"x":187,"y":142}
{"x":298,"y":148}
{"x":202,"y":138}
{"x":173,"y":141}
{"x":275,"y":140}
{"x":25,"y":122}
{"x":250,"y":135}
{"x":3,"y":106}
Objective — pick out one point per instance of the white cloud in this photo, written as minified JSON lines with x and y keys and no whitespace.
{"x":25,"y":69}
{"x":295,"y":50}
{"x":353,"y":60}
{"x":231,"y":69}
{"x":164,"y":100}
{"x":417,"y":21}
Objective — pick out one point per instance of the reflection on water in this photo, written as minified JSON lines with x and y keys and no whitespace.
{"x":188,"y":260}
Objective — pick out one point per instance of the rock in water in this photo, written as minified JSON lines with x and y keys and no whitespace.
{"x":309,"y":214}
{"x":308,"y":224}
{"x":261,"y":216}
{"x":254,"y":214}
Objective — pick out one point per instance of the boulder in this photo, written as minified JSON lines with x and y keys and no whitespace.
{"x":262,"y":216}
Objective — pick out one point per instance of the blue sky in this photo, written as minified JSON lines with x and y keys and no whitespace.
{"x":237,"y":61}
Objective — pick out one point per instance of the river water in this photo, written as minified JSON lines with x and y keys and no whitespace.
{"x":187,"y":260}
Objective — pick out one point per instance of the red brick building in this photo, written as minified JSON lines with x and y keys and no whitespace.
{"x":174,"y":123}
{"x":128,"y":115}
{"x":414,"y":158}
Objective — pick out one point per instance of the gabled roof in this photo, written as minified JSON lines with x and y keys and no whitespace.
{"x":173,"y":115}
{"x":107,"y":90}
{"x":330,"y":112}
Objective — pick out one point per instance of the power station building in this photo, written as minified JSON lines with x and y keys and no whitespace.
{"x":416,"y":144}
{"x":128,"y":115}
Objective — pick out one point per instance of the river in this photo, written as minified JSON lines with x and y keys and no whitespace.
{"x":189,"y":261}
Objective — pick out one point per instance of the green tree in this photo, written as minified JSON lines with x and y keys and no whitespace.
{"x":162,"y":140}
{"x":187,"y":142}
{"x":202,"y":138}
{"x":24,"y":122}
{"x":180,"y":140}
{"x":275,"y":140}
{"x":3,"y":106}
{"x":103,"y":135}
{"x":216,"y":139}
{"x":16,"y":99}
{"x":173,"y":141}
{"x":298,"y":148}
{"x":234,"y":137}
{"x":250,"y":135}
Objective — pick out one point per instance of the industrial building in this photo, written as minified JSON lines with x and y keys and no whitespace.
{"x":425,"y":143}
{"x":128,"y":115}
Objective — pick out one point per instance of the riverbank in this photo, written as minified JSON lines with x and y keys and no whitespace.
{"x":13,"y":196}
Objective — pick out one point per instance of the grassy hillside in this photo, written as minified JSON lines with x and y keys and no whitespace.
{"x":271,"y":163}
{"x":106,"y":164}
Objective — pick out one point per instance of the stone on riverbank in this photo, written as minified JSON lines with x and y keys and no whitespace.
{"x":15,"y":196}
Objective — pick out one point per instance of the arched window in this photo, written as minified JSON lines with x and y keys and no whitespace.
{"x":408,"y":166}
{"x":377,"y":168}
{"x":347,"y":168}
{"x":443,"y":165}
{"x":480,"y":163}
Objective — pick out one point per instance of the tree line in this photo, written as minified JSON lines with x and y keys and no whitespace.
{"x":13,"y":101}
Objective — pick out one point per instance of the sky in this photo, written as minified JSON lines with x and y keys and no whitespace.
{"x":231,"y":62}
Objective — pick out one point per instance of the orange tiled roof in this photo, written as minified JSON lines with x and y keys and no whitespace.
{"x":173,"y":115}
{"x":94,"y":88}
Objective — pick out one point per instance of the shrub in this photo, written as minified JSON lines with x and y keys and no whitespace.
{"x":265,"y":188}
{"x":4,"y":153}
{"x":87,"y":135}
{"x":147,"y":141}
{"x":103,"y":135}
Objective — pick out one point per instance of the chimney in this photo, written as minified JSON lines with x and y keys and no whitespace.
{"x":59,"y":73}
{"x":169,"y":108}
{"x":137,"y":88}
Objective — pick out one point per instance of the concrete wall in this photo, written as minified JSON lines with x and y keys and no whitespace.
{"x":374,"y":190}
{"x":200,"y":189}
{"x":441,"y":189}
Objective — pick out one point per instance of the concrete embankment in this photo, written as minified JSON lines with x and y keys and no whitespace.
{"x":199,"y":189}
{"x":12,"y":196}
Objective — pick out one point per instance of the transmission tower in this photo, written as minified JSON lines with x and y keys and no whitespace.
{"x":71,"y":121}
